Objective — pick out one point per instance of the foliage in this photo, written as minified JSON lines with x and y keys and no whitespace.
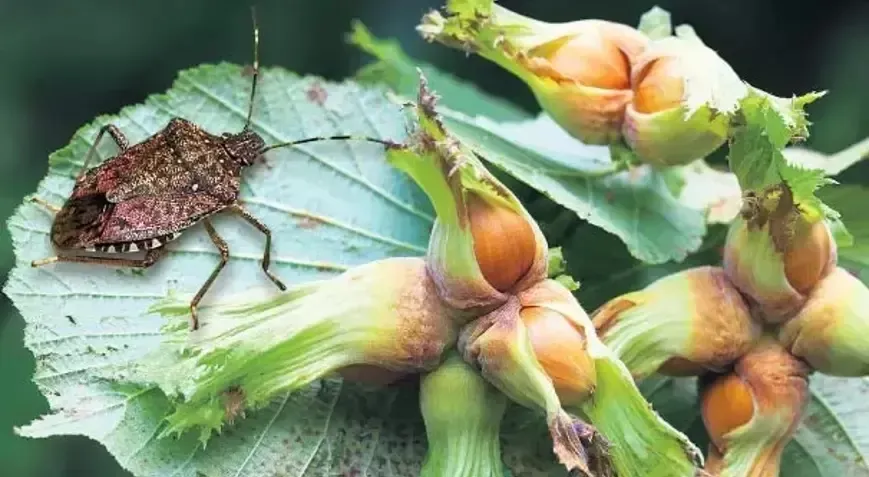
{"x":378,"y":213}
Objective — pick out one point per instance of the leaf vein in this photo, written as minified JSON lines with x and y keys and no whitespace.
{"x":128,"y":459}
{"x":262,"y":436}
{"x":333,"y":222}
{"x":60,"y":339}
{"x":186,"y":463}
{"x":822,"y":401}
{"x":325,"y":428}
{"x":70,"y":372}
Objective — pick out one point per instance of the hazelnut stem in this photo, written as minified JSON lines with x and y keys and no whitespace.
{"x":462,"y":414}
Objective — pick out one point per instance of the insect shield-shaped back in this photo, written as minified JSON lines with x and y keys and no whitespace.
{"x":79,"y":222}
{"x":132,"y":204}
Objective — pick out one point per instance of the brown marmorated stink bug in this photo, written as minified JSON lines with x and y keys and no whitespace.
{"x":130,"y":206}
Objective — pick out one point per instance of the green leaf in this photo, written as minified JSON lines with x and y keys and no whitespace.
{"x":850,"y":201}
{"x":834,"y":434}
{"x":398,"y":71}
{"x":767,"y":125}
{"x":836,"y":198}
{"x":469,"y":9}
{"x":330,"y":206}
{"x":700,"y":186}
{"x":833,"y":164}
{"x":636,"y":205}
{"x":656,"y":23}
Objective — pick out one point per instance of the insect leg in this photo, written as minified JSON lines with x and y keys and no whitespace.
{"x":51,"y":207}
{"x":149,"y":259}
{"x":224,"y":256}
{"x":268,"y":250}
{"x":116,"y":135}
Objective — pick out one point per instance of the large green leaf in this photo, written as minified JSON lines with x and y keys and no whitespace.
{"x":850,"y":201}
{"x":833,"y":164}
{"x":834,"y":434}
{"x":636,"y":206}
{"x":330,"y":206}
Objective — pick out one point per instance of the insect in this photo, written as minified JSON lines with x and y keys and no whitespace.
{"x":129,"y":207}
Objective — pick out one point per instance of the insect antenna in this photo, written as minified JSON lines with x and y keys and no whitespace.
{"x":384,"y":142}
{"x":255,"y":67}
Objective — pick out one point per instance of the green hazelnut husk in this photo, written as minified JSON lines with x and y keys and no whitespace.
{"x":684,"y":324}
{"x":775,"y":254}
{"x":831,"y":331}
{"x":384,"y":315}
{"x":484,"y":245}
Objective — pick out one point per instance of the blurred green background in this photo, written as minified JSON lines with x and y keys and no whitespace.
{"x":64,"y":63}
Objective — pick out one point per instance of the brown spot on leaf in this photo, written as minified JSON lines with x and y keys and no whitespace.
{"x":309,"y":223}
{"x":317,"y":94}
